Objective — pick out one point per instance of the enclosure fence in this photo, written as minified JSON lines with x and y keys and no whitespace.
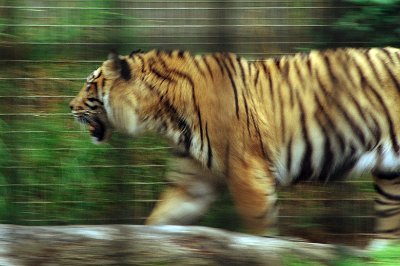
{"x":50,"y":173}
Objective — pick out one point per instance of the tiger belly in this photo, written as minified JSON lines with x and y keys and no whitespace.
{"x":382,"y":159}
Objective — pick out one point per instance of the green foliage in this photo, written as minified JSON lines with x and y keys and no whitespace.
{"x":389,"y":256}
{"x":292,"y":260}
{"x":365,"y":23}
{"x":50,"y":172}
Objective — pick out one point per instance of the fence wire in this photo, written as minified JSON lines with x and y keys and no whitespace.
{"x":50,"y":173}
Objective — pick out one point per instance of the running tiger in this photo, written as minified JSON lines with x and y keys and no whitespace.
{"x":253,"y":126}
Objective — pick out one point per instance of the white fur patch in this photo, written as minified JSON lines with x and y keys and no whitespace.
{"x":366,"y":162}
{"x":126,"y":122}
{"x":132,"y":124}
{"x":390,"y":159}
{"x":106,"y":101}
{"x":201,"y":155}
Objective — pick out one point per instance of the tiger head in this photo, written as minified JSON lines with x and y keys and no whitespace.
{"x":93,"y":105}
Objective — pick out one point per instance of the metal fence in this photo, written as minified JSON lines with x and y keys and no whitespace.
{"x":50,"y":173}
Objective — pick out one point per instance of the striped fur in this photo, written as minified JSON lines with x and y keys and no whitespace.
{"x":255,"y":125}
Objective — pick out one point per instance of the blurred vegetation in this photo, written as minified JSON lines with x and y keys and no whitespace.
{"x":389,"y":256}
{"x":50,"y":172}
{"x":364,"y":23}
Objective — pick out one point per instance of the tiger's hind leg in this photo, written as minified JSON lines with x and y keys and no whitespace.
{"x":189,"y":197}
{"x":387,"y":204}
{"x":253,"y":191}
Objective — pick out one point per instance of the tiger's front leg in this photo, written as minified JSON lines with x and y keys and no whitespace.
{"x":189,"y":197}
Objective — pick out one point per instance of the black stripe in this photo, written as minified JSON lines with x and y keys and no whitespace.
{"x":257,"y":76}
{"x":372,"y":65}
{"x":185,"y":131}
{"x":306,"y":171}
{"x":160,"y":75}
{"x":219,"y":63}
{"x":230,"y":62}
{"x":289,"y":155}
{"x":282,"y":112}
{"x":388,"y":55}
{"x":181,"y":54}
{"x":177,"y":73}
{"x":346,"y":165}
{"x":328,"y":155}
{"x":284,"y":69}
{"x":277,"y":62}
{"x":358,"y":132}
{"x":358,"y":107}
{"x":299,"y":75}
{"x":388,"y":196}
{"x":344,"y":60}
{"x":392,"y":77}
{"x":388,"y":231}
{"x":350,"y":121}
{"x":210,"y":155}
{"x":198,"y":67}
{"x":270,"y":84}
{"x":327,"y":61}
{"x":309,"y":64}
{"x":201,"y":128}
{"x":382,"y":103}
{"x":181,"y":75}
{"x":386,"y":175}
{"x":291,"y":91}
{"x":125,"y":70}
{"x":249,"y":64}
{"x":135,"y":52}
{"x":142,"y":63}
{"x":92,"y":99}
{"x":169,"y":53}
{"x":258,"y":134}
{"x":328,"y":158}
{"x":208,"y":67}
{"x":188,"y":78}
{"x":388,"y":213}
{"x":247,"y":112}
{"x":397,"y":55}
{"x":239,"y":61}
{"x":331,"y":124}
{"x":376,"y":130}
{"x":385,"y":203}
{"x":233,"y":87}
{"x":181,"y":123}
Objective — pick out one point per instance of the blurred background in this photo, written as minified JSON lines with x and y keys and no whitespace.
{"x":51,"y":173}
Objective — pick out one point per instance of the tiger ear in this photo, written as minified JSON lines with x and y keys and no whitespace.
{"x":116,"y":67}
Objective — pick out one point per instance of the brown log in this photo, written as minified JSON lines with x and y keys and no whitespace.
{"x":151,"y":245}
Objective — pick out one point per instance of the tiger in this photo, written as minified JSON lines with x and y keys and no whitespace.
{"x":254,"y":126}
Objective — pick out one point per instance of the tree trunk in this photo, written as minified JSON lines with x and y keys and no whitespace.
{"x":151,"y":245}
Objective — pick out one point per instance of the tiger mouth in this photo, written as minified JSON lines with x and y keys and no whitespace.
{"x":97,"y":129}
